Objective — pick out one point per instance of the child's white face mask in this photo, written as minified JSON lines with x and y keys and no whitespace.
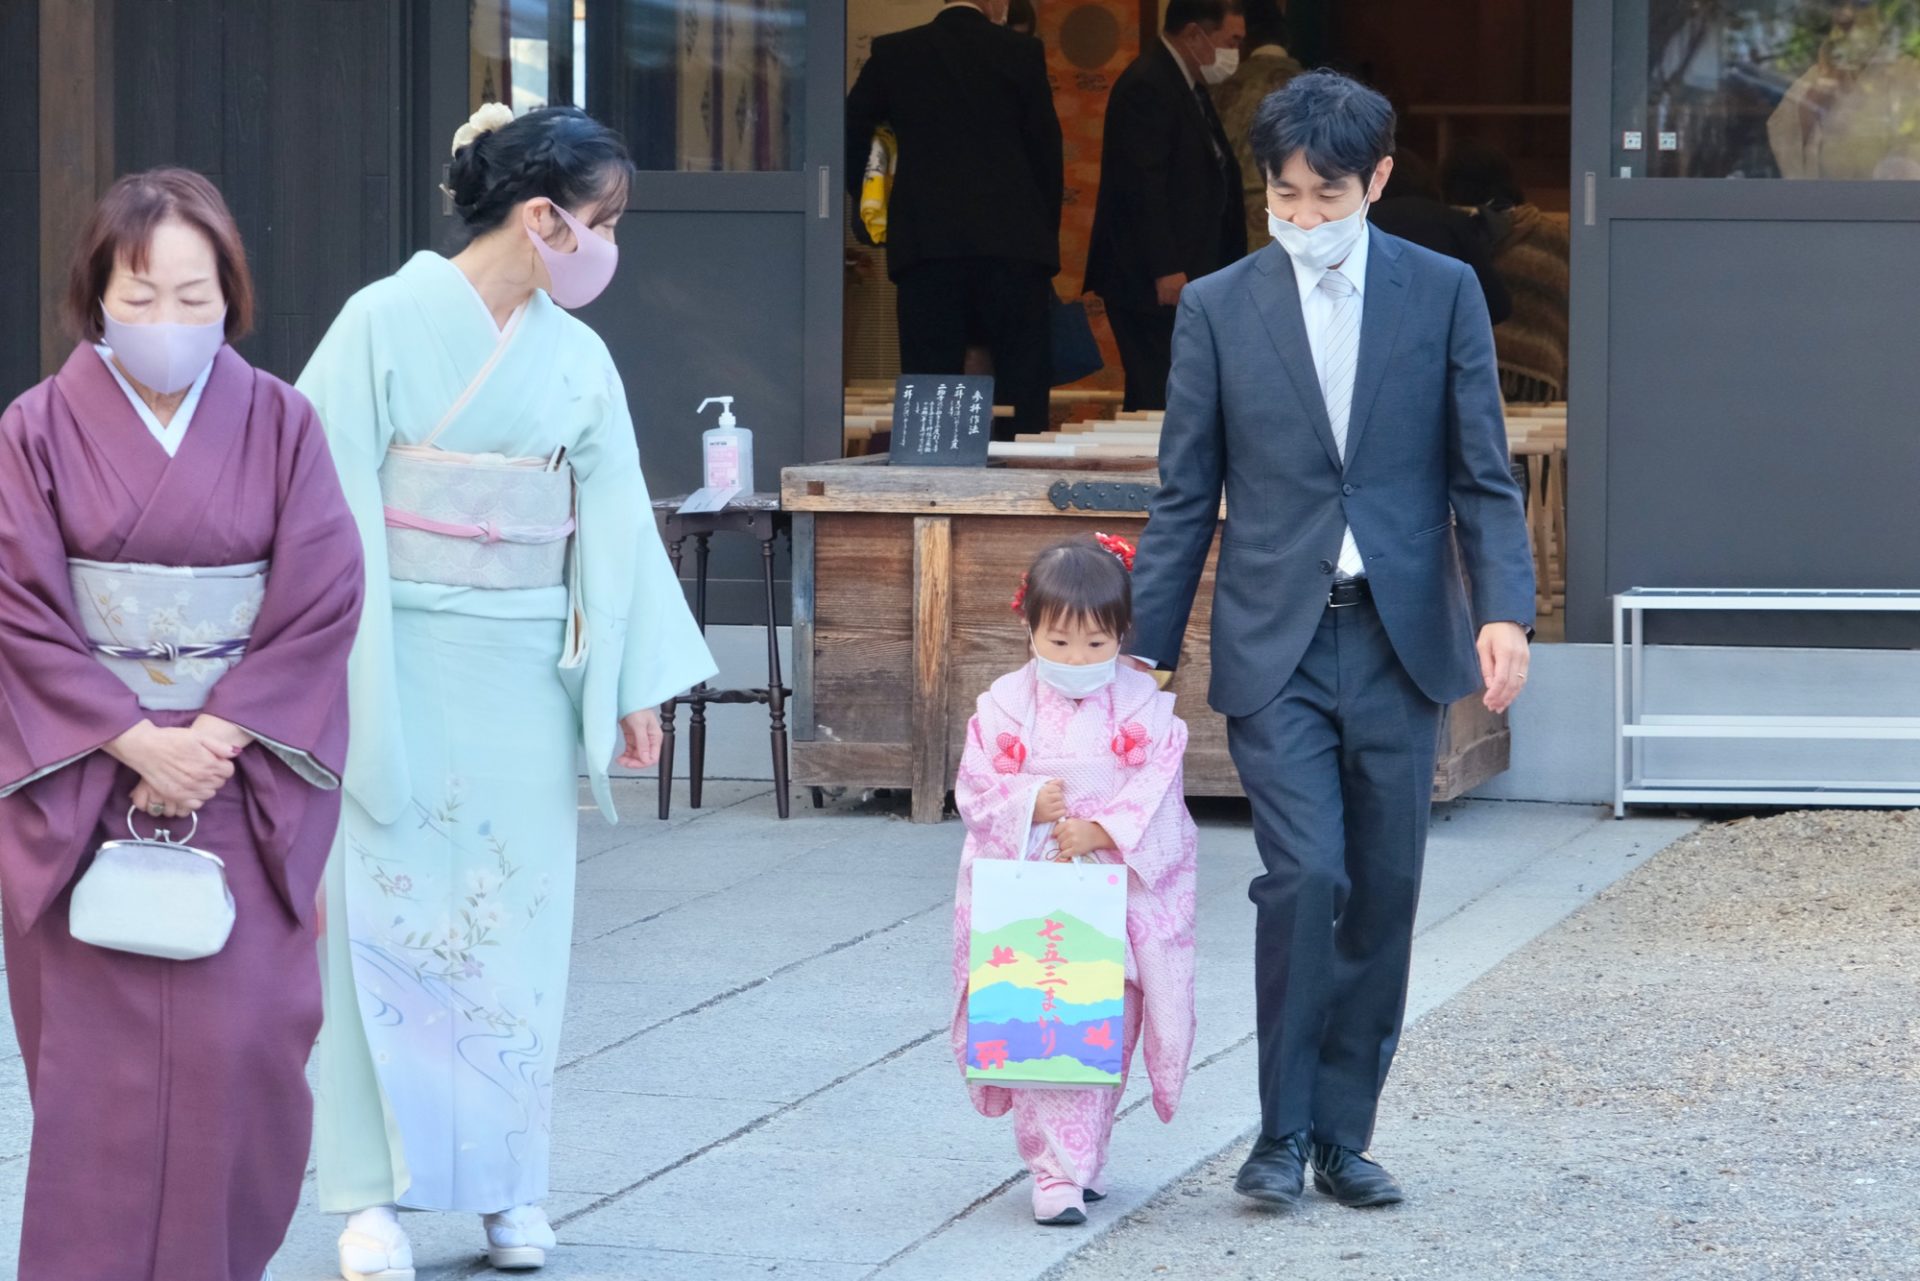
{"x":1076,"y":680}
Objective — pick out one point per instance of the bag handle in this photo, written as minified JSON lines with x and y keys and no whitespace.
{"x":164,"y":836}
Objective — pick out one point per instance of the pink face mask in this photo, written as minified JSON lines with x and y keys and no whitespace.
{"x":579,"y":276}
{"x":164,"y":358}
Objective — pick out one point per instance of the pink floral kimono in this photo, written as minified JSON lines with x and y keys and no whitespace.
{"x":1119,"y":752}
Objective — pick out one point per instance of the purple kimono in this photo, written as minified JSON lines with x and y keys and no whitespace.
{"x":171,"y":1111}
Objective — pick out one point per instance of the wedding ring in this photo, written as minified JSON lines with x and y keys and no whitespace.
{"x":157,"y":810}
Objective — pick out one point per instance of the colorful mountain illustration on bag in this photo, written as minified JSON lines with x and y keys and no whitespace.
{"x":1046,"y":997}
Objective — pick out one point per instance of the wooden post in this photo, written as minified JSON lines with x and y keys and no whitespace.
{"x":76,"y":146}
{"x":932,"y":634}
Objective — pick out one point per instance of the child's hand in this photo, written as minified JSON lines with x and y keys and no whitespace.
{"x":1080,"y":838}
{"x":1051,"y":805}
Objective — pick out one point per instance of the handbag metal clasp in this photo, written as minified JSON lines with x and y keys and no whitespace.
{"x":164,"y":836}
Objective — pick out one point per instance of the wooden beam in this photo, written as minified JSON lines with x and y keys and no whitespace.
{"x":823,"y":764}
{"x":932,"y":628}
{"x":76,"y":146}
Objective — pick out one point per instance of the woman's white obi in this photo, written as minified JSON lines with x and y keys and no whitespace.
{"x":168,"y":632}
{"x":476,"y":520}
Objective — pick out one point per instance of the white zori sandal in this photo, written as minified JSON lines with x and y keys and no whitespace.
{"x":375,"y":1247}
{"x":519,"y":1238}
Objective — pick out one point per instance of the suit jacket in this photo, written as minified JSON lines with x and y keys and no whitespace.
{"x":1433,"y":224}
{"x":1425,"y":484}
{"x":979,"y":172}
{"x":1168,"y":203}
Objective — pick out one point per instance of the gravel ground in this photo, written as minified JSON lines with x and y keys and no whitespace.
{"x":1712,"y":1071}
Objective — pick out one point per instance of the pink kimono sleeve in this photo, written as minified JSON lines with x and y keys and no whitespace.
{"x":1129,"y":814}
{"x":997,"y":807}
{"x":58,"y":704}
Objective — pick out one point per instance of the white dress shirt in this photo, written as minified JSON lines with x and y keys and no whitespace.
{"x":1316,"y":307}
{"x":169,"y":434}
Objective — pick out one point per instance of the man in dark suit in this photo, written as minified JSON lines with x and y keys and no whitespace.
{"x":1169,"y":208}
{"x":973,"y":224}
{"x":1340,"y":387}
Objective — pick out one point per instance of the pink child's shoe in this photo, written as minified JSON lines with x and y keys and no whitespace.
{"x":1057,"y":1203}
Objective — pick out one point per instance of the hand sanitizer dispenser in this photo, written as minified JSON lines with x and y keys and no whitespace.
{"x":726,"y":451}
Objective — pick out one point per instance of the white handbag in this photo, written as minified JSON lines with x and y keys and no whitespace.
{"x":154,"y":897}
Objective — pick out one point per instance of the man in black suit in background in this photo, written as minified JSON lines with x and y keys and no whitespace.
{"x":973,"y":225}
{"x":1169,"y":209}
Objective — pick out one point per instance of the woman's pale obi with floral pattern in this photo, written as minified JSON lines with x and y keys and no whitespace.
{"x":168,"y":632}
{"x":476,"y":520}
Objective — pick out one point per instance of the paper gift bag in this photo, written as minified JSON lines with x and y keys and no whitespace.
{"x":1047,"y":987}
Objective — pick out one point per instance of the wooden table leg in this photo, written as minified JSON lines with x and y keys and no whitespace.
{"x":776,"y":702}
{"x":666,"y":757}
{"x":697,"y":718}
{"x":932,"y":625}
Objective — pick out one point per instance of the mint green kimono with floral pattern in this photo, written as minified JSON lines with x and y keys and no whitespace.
{"x":449,"y":897}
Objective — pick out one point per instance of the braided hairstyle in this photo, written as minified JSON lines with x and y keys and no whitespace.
{"x":560,"y":153}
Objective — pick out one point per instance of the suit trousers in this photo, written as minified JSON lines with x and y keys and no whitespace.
{"x":1339,"y":770}
{"x":949,"y":304}
{"x":1144,"y":336}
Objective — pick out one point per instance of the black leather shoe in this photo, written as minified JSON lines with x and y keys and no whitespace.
{"x":1352,"y":1178}
{"x":1276,"y":1170}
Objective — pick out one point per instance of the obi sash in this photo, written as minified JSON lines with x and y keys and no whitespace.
{"x":169,"y":633}
{"x":476,"y":520}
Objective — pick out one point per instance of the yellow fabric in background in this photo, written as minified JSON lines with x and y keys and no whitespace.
{"x":876,"y":187}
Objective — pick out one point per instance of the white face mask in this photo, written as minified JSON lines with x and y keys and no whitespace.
{"x":1220,"y":70}
{"x":1076,"y":681}
{"x":1327,"y":245}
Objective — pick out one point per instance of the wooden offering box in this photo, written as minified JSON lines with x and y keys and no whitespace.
{"x":903,"y":579}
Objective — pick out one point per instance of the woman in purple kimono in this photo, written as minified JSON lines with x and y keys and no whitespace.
{"x":179,"y":587}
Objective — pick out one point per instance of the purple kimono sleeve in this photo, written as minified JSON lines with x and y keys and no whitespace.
{"x":58,"y":704}
{"x":290,"y":691}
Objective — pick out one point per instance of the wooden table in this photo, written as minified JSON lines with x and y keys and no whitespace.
{"x":902,"y":583}
{"x":758,"y":515}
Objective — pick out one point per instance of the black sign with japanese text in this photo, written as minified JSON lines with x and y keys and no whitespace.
{"x":941,"y":420}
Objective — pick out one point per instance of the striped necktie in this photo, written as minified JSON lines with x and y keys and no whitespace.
{"x":1338,"y":354}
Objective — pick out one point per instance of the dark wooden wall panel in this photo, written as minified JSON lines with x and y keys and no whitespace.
{"x":19,"y":198}
{"x":293,"y":109}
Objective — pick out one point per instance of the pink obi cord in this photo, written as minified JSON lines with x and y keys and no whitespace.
{"x":485,"y":533}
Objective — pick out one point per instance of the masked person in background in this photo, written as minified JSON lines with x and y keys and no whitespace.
{"x":520,"y":610}
{"x":1264,"y":68}
{"x":973,"y":221}
{"x":179,"y":586}
{"x":1169,"y":209}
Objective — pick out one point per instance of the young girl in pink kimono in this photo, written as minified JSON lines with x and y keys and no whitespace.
{"x":1076,"y":756}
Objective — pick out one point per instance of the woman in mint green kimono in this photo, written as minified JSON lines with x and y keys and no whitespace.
{"x":520,"y":608}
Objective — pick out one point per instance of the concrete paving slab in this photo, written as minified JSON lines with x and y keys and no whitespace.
{"x":759,"y":927}
{"x":770,"y":1202}
{"x":605,"y":1141}
{"x":795,"y":1033}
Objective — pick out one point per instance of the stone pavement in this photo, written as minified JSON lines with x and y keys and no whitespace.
{"x":755,"y":1075}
